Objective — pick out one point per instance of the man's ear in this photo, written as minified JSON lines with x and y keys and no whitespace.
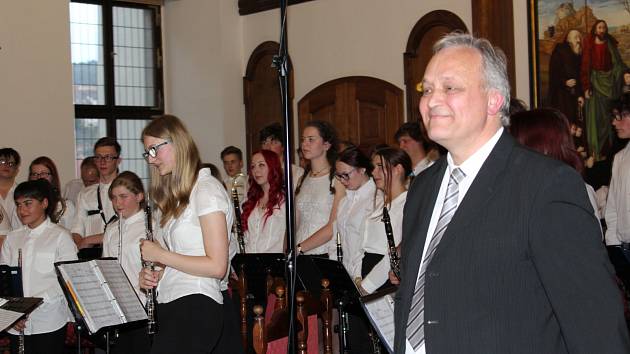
{"x":495,"y":101}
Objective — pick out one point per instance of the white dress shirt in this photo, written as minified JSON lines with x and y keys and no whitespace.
{"x":376,"y":241}
{"x":67,"y":218}
{"x":5,"y":222}
{"x":132,"y":230}
{"x":87,"y":225}
{"x":9,"y":207}
{"x":242,"y":186}
{"x":266,"y":236}
{"x":72,"y":188}
{"x":353,"y":209}
{"x":470,"y":167}
{"x":41,"y":248}
{"x":422,"y":165}
{"x":617,"y":212}
{"x":183,"y":235}
{"x":312,"y":207}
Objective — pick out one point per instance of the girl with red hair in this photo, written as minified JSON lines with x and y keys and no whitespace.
{"x":263,"y":217}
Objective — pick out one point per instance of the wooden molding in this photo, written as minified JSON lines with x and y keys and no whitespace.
{"x":246,"y":7}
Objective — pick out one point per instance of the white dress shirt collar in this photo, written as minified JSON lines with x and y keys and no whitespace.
{"x":473,"y":164}
{"x":39,"y":229}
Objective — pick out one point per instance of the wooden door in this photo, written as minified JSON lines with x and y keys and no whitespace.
{"x":424,"y":34}
{"x":364,"y":110}
{"x":261,"y":93}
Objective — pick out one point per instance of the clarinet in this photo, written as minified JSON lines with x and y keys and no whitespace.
{"x":151,"y":295}
{"x":339,"y":249}
{"x":237,"y":213}
{"x":394,"y":260}
{"x":21,"y":336}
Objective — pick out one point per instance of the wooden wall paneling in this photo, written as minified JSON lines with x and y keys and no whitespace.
{"x":494,"y":20}
{"x":419,"y":50}
{"x":261,"y":93}
{"x":364,"y":110}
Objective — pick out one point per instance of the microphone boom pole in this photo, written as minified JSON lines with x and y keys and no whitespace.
{"x":280,"y":62}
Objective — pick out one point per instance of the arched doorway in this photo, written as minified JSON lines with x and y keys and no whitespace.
{"x":364,"y":110}
{"x":424,"y":34}
{"x":261,"y":93}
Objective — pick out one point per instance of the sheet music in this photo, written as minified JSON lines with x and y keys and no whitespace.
{"x":122,"y":290}
{"x":381,"y":313}
{"x":7,"y":318}
{"x":94,"y":303}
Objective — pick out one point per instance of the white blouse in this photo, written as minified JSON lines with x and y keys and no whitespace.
{"x":266,"y":236}
{"x":132,"y":230}
{"x":353,"y":209}
{"x":313,"y":206}
{"x":67,"y":218}
{"x":375,"y":240}
{"x":41,"y":248}
{"x":183,"y":235}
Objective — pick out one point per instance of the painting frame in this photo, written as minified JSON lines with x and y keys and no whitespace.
{"x":562,"y":40}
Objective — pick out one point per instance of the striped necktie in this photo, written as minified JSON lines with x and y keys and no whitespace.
{"x":415,"y":322}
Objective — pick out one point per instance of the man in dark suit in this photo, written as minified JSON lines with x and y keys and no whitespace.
{"x":500,"y":252}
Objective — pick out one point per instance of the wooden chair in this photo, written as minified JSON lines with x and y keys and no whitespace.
{"x":270,"y":336}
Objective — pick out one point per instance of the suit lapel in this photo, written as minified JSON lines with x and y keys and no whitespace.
{"x":423,"y":202}
{"x":481,"y":190}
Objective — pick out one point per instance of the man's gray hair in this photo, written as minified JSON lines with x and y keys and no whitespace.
{"x":493,"y":61}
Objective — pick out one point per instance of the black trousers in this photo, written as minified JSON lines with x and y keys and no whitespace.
{"x":132,"y":338}
{"x":230,"y":340}
{"x":48,"y":343}
{"x":191,"y":324}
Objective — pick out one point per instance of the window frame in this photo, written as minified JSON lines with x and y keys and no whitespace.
{"x":109,"y":111}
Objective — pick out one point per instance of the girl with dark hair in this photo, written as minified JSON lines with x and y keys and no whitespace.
{"x":264,"y":218}
{"x":121,"y":241}
{"x":316,"y":194}
{"x":41,"y":243}
{"x":392,"y":168}
{"x":43,"y":167}
{"x":547,"y":131}
{"x":354,"y":172}
{"x":196,"y":214}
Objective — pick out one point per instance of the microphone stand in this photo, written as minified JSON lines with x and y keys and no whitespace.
{"x":280,"y":62}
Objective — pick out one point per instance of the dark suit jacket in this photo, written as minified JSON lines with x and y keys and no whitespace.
{"x":521,"y":267}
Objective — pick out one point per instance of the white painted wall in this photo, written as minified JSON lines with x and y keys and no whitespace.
{"x":203,"y":72}
{"x":329,"y":39}
{"x":207,"y":45}
{"x":36,"y":110}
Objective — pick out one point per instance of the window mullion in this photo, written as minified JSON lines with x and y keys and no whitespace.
{"x":108,"y":43}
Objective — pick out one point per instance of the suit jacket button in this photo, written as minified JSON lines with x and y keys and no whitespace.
{"x":433,"y":274}
{"x":432,"y":322}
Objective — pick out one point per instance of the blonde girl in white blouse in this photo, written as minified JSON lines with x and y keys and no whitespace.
{"x":121,"y":240}
{"x":264,"y":217}
{"x":196,"y":215}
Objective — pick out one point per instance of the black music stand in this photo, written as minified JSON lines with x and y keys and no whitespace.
{"x":256,"y":267}
{"x":10,"y":281}
{"x":90,"y":253}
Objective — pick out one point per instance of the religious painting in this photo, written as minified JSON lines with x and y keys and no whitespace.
{"x":579,"y":51}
